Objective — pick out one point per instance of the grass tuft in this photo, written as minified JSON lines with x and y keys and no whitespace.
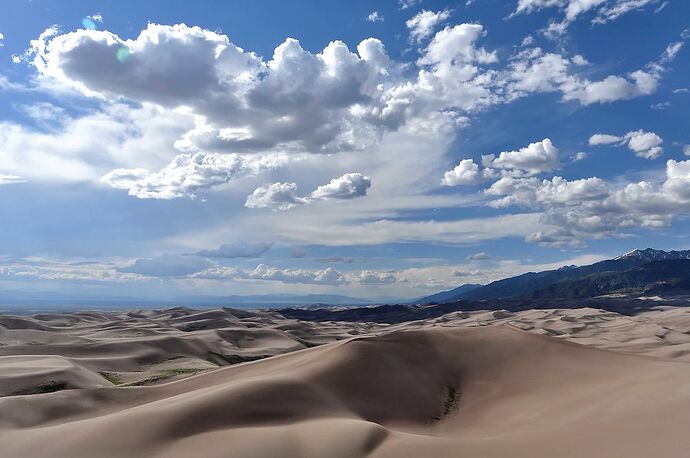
{"x":112,"y":377}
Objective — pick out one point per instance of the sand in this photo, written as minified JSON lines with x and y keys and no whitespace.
{"x":175,"y":383}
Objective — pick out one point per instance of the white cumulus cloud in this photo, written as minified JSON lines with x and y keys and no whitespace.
{"x":284,"y":196}
{"x":348,"y":186}
{"x":423,"y":24}
{"x":465,"y":173}
{"x":374,"y":16}
{"x":368,"y":277}
{"x":276,"y":196}
{"x":644,"y":144}
{"x":534,"y":158}
{"x":188,"y":174}
{"x":296,"y":100}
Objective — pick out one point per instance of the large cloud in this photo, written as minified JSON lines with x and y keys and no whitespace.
{"x":677,"y":184}
{"x":284,"y":196}
{"x":452,"y":77}
{"x":328,"y":276}
{"x":168,"y":65}
{"x":189,"y":173}
{"x":64,"y":147}
{"x":243,"y":102}
{"x":562,"y":191}
{"x":614,"y":88}
{"x":573,"y":211}
{"x":31,"y":269}
{"x":515,"y":191}
{"x":456,"y":46}
{"x":533,"y":70}
{"x":530,"y":192}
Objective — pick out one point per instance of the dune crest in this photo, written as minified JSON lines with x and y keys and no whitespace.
{"x":487,"y":391}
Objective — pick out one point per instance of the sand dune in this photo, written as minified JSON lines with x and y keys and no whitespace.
{"x":36,"y":374}
{"x":466,"y":384}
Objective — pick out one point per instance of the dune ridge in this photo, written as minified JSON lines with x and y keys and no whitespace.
{"x":471,"y":384}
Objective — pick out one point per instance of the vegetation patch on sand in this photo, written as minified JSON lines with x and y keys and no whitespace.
{"x":450,"y":403}
{"x":306,"y":343}
{"x":112,"y":377}
{"x":164,"y":375}
{"x":220,"y":359}
{"x":49,"y":386}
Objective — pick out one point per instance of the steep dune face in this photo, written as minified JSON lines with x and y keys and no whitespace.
{"x":40,"y":374}
{"x":488,"y":391}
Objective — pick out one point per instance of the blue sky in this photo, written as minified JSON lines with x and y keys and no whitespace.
{"x":376,"y":149}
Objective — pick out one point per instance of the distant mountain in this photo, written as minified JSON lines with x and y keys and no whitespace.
{"x":543,"y":284}
{"x":656,"y":277}
{"x":649,"y":255}
{"x":398,"y":313}
{"x":445,"y":296}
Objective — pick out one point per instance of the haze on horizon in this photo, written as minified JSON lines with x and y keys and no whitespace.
{"x":386,"y":150}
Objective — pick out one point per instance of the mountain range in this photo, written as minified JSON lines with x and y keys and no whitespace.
{"x":647,"y":271}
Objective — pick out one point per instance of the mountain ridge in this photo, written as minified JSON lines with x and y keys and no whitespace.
{"x":528,"y":284}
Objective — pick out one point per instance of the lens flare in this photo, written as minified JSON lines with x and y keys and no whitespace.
{"x":88,"y":23}
{"x":122,"y":55}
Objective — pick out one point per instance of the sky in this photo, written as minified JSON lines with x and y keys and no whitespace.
{"x":375,"y":149}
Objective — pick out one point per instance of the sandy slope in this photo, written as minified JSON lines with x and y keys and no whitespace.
{"x":460,"y":385}
{"x":516,"y":394}
{"x":135,"y":346}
